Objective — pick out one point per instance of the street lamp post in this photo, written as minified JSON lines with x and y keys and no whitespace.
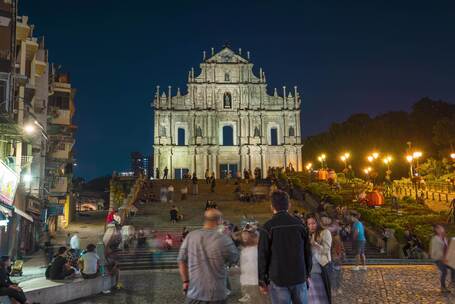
{"x":387,"y":160}
{"x":322,"y":159}
{"x":410,"y":159}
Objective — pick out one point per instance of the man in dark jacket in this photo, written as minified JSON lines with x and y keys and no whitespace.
{"x":8,"y":288}
{"x":284,"y":254}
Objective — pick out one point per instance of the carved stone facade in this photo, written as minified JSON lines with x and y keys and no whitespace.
{"x":226,"y":121}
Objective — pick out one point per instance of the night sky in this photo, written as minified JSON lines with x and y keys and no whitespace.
{"x":345,"y":57}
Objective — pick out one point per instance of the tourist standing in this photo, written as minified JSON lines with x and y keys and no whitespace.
{"x":157,"y":173}
{"x":212,"y":185}
{"x":195,"y":188}
{"x":165,"y":172}
{"x":75,"y":243}
{"x":439,"y":247}
{"x":174,"y":213}
{"x":203,"y":258}
{"x":359,"y":241}
{"x":183,"y":192}
{"x":321,"y":242}
{"x":338,"y":256}
{"x":170,"y":193}
{"x":207,"y":176}
{"x":163,"y":194}
{"x":249,"y":268}
{"x":110,"y":216}
{"x":285,"y":238}
{"x":168,"y":241}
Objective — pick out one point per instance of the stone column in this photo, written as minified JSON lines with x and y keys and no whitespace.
{"x":298,"y":133}
{"x":263,"y":162}
{"x":169,"y":164}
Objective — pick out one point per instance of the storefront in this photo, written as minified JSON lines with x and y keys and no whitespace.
{"x":8,"y":184}
{"x":6,"y":212}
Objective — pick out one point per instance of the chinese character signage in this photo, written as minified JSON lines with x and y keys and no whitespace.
{"x":8,"y":184}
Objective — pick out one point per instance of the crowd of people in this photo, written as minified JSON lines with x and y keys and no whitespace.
{"x":90,"y":263}
{"x":292,"y":257}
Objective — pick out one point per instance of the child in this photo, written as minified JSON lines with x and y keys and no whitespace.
{"x":249,"y":268}
{"x":338,"y":255}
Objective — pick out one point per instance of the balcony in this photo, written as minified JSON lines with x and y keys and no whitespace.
{"x":22,"y":28}
{"x":58,"y":185}
{"x":59,"y":116}
{"x":32,"y":47}
{"x":40,"y":68}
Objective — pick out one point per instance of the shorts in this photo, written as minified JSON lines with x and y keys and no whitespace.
{"x":360,"y":247}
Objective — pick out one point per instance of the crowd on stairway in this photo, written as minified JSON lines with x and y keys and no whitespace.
{"x":291,"y":257}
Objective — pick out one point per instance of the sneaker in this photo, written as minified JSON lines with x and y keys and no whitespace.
{"x":355,"y":268}
{"x":245,"y":298}
{"x":106,"y":291}
{"x":363,"y":268}
{"x":444,"y":290}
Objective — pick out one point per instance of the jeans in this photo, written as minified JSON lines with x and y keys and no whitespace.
{"x":19,"y":296}
{"x":443,"y":268}
{"x":295,"y":294}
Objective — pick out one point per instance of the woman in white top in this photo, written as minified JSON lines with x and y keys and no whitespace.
{"x":249,"y":269}
{"x":321,"y":242}
{"x":439,"y":246}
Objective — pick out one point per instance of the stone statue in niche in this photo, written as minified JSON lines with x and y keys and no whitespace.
{"x":162,"y":131}
{"x":256,"y":132}
{"x":291,"y":131}
{"x":227,"y":100}
{"x":198,"y":132}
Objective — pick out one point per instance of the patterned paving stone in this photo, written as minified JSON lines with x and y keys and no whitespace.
{"x":378,"y":285}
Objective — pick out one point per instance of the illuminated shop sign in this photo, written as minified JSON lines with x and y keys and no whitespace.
{"x":8,"y":184}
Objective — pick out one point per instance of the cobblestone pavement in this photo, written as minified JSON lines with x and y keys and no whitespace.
{"x":380,"y":284}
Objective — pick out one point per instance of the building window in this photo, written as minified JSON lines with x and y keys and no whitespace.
{"x":274,"y":136}
{"x":227,"y":100}
{"x":228,"y":136}
{"x":291,"y":131}
{"x":60,"y":100}
{"x":3,"y":92}
{"x":226,"y":77}
{"x":61,"y":147}
{"x":180,"y":137}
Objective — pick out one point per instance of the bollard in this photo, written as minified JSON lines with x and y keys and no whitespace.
{"x":447,"y":197}
{"x":426,"y":194}
{"x":439,"y":196}
{"x":432,"y":195}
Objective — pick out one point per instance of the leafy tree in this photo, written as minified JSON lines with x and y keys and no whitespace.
{"x":444,"y":133}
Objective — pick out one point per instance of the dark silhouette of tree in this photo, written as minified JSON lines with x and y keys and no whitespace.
{"x":429,"y":126}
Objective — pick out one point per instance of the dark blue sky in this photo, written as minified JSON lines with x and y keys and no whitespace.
{"x":345,"y":57}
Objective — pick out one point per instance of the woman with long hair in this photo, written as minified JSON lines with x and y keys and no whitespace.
{"x":321,"y":242}
{"x":439,"y":246}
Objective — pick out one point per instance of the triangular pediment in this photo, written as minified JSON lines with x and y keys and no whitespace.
{"x":226,"y":55}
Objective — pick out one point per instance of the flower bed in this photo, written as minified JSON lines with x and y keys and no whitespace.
{"x":417,"y":217}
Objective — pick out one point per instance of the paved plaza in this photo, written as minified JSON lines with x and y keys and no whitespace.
{"x":380,"y":284}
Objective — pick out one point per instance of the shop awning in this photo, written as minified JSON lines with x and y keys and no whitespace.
{"x":23,"y":214}
{"x":6,"y":209}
